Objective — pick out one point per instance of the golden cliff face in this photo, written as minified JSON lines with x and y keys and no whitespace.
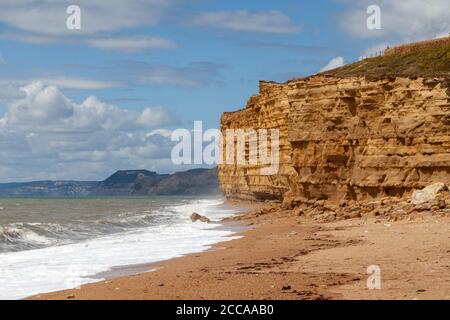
{"x":345,"y":138}
{"x":270,"y":109}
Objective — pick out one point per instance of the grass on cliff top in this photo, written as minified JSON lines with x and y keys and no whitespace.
{"x":425,"y":62}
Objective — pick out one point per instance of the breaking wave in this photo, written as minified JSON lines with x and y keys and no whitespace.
{"x":26,"y":236}
{"x":43,"y":257}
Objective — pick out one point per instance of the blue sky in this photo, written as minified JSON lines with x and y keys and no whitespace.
{"x":179,"y":60}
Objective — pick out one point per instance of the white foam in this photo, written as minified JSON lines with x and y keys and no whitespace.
{"x":55,"y":268}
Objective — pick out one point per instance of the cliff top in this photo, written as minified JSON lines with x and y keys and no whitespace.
{"x":427,"y":59}
{"x":424,"y":59}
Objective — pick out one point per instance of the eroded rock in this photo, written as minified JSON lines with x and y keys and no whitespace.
{"x":428,"y":194}
{"x":198,"y":217}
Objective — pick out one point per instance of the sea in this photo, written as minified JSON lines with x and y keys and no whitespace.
{"x":54,"y":244}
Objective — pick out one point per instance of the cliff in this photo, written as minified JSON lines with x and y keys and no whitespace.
{"x":379,"y":127}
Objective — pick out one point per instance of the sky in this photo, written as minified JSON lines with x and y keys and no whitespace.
{"x":81,"y":104}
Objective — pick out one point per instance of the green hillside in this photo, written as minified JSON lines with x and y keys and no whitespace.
{"x":423,"y":62}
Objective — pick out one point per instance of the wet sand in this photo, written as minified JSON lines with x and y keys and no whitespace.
{"x":285,"y":256}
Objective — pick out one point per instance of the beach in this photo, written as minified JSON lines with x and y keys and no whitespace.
{"x":283,"y":255}
{"x":234,"y":150}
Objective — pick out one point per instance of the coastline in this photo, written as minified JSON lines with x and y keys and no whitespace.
{"x":288,"y":256}
{"x":92,"y":239}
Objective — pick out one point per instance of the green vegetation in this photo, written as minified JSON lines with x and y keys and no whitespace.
{"x":424,"y":62}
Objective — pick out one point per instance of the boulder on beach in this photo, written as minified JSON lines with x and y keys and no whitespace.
{"x":195,"y":216}
{"x":428,"y":193}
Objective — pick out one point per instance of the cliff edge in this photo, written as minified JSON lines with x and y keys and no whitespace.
{"x":378,"y":127}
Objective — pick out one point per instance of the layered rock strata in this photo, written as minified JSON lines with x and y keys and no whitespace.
{"x":345,"y":138}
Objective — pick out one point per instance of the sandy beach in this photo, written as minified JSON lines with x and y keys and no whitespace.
{"x":284,"y":255}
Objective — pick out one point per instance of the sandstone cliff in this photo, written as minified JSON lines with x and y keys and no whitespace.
{"x":345,"y":134}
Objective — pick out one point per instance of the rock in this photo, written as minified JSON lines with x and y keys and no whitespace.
{"x":319,"y":203}
{"x":423,"y":207}
{"x":331,"y":207}
{"x":354,"y":214}
{"x":355,"y":209}
{"x":195,"y":216}
{"x":427,"y":194}
{"x":374,"y":213}
{"x":343,"y":146}
{"x":343,"y":203}
{"x":329,"y":217}
{"x":298,"y":212}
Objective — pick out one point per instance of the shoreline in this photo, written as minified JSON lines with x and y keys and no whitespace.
{"x":126,"y":271}
{"x":117,"y":271}
{"x":122,"y":239}
{"x":288,"y":256}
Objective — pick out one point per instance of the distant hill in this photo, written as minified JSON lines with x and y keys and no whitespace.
{"x":47,"y":188}
{"x":130,"y":176}
{"x":122,"y":183}
{"x":192,"y":182}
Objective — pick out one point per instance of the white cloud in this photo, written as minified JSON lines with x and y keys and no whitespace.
{"x":133,"y":73}
{"x":79,"y":83}
{"x":48,"y":109}
{"x":194,"y":74}
{"x":261,"y":21}
{"x":48,"y":135}
{"x":333,"y":64}
{"x":45,"y":23}
{"x":9,"y":92}
{"x":406,"y":20}
{"x":158,"y":76}
{"x":162,"y":132}
{"x":64,"y":83}
{"x":375,"y":49}
{"x":10,"y":89}
{"x":152,"y":117}
{"x":130,"y":44}
{"x":442,"y":35}
{"x":28,"y":37}
{"x":48,"y":17}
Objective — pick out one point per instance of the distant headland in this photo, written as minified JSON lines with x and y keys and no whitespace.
{"x":122,"y":183}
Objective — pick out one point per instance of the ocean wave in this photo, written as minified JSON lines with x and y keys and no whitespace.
{"x":19,"y":237}
{"x":33,"y":235}
{"x":169,"y":233}
{"x":25,"y":236}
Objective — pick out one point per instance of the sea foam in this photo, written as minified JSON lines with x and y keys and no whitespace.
{"x":59,"y":267}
